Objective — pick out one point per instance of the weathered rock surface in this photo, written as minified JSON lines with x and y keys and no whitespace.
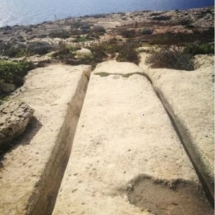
{"x":189,"y":97}
{"x":32,"y":172}
{"x":14,"y":117}
{"x":123,"y":135}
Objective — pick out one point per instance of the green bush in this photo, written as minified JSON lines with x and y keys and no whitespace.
{"x":196,"y":48}
{"x":11,"y":49}
{"x":172,"y":58}
{"x":13,"y":72}
{"x":14,"y":49}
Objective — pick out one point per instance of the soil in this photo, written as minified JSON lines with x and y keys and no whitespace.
{"x":169,"y":198}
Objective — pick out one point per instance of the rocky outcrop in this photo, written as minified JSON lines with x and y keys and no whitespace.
{"x":14,"y":117}
{"x":131,"y":137}
{"x":188,"y":97}
{"x":56,"y":93}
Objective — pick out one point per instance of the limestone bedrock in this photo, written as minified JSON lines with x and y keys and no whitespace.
{"x":123,"y":132}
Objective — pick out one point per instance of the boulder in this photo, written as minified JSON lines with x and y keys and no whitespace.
{"x":14,"y":117}
{"x":7,"y":87}
{"x":84,"y":52}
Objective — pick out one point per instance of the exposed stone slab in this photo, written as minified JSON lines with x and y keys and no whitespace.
{"x":32,"y":172}
{"x":189,"y":97}
{"x":123,"y":136}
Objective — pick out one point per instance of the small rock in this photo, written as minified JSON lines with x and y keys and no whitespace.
{"x":84,"y":52}
{"x":14,"y":117}
{"x":7,"y":87}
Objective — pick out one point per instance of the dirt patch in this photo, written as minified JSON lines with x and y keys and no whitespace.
{"x":168,"y":197}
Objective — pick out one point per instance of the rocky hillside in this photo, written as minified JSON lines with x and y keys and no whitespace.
{"x":108,"y":114}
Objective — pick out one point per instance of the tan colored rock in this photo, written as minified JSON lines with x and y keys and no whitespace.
{"x":123,"y":135}
{"x":84,"y":52}
{"x":32,"y":172}
{"x":189,"y":97}
{"x":14,"y":117}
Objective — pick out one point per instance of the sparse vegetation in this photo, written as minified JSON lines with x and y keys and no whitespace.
{"x":14,"y":49}
{"x":79,"y":29}
{"x":172,"y":58}
{"x":99,"y":30}
{"x":146,"y":31}
{"x":128,"y":33}
{"x":67,"y":54}
{"x":63,"y":52}
{"x":128,"y":53}
{"x":99,"y":16}
{"x":80,"y":39}
{"x":193,"y":39}
{"x":39,"y":48}
{"x":98,"y":53}
{"x":14,"y":72}
{"x":60,"y":34}
{"x":161,"y":18}
{"x":196,"y":48}
{"x":185,"y":22}
{"x":125,"y":51}
{"x":189,"y":26}
{"x":182,"y":38}
{"x":11,"y":49}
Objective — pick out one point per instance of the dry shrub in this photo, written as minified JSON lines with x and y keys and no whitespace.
{"x":60,"y":34}
{"x":128,"y":53}
{"x":172,"y":58}
{"x":161,"y":18}
{"x":39,"y":48}
{"x":128,"y":33}
{"x":169,"y":38}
